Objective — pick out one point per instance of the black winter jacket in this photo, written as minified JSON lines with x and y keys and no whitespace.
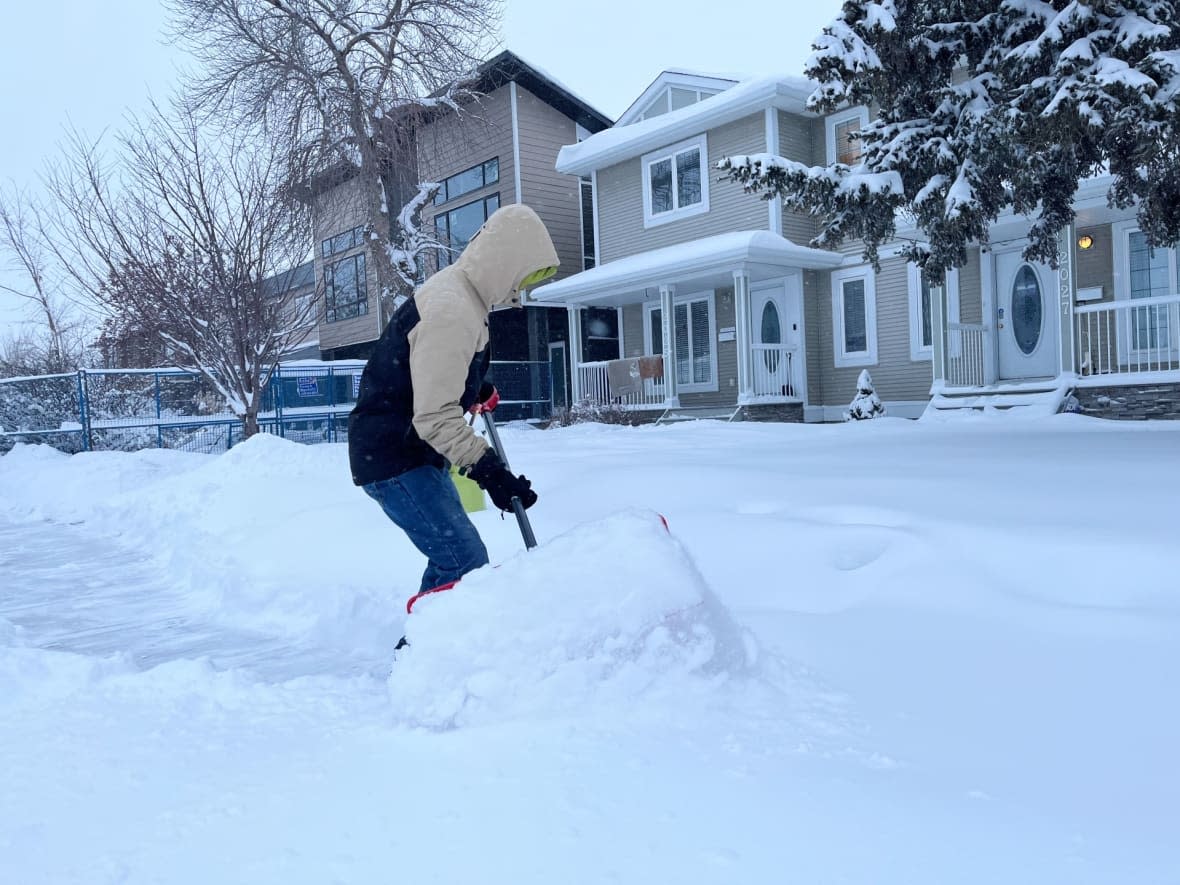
{"x":382,"y":441}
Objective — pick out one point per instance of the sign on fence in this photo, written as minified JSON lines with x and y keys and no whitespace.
{"x":309,"y":386}
{"x":356,"y":386}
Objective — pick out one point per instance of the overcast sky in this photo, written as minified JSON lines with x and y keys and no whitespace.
{"x":100,"y":60}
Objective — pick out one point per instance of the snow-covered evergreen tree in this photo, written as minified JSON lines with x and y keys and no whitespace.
{"x":866,"y":404}
{"x":984,"y":105}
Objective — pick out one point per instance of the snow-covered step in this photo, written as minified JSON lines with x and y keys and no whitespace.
{"x":1017,"y":400}
{"x":721,"y":413}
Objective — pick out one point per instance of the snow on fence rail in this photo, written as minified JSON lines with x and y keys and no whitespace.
{"x":130,"y":409}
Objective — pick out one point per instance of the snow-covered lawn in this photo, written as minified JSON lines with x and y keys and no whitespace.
{"x":876,"y":653}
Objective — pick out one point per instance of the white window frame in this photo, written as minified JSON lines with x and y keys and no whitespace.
{"x":844,"y":358}
{"x":918,"y":351}
{"x":860,"y":114}
{"x":669,"y":153}
{"x":1121,"y":235}
{"x":709,"y":296}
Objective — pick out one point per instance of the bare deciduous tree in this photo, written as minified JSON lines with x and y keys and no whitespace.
{"x":342,"y":84}
{"x":39,"y":281}
{"x":186,"y":238}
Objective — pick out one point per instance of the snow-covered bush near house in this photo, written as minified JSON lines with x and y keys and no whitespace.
{"x":866,"y":404}
{"x":950,"y":662}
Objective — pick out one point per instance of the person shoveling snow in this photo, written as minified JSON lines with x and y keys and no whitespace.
{"x":427,"y":371}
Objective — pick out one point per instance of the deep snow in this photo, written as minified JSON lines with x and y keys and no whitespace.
{"x":871,"y":653}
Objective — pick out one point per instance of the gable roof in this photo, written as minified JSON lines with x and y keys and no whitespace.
{"x":674,"y":77}
{"x":508,"y":66}
{"x":787,"y":93}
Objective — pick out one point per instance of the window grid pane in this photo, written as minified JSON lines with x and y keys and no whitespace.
{"x":661,"y":186}
{"x":702,"y":369}
{"x":849,"y":150}
{"x":683,"y":354}
{"x":855,"y":337}
{"x":688,"y":178}
{"x":924,"y":314}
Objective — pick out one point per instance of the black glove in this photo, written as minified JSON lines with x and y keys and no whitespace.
{"x":497,"y":480}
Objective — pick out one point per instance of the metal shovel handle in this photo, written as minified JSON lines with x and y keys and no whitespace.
{"x":522,"y":519}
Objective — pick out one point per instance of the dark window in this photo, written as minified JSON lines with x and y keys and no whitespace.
{"x":345,"y":289}
{"x":457,"y":227}
{"x":587,"y":224}
{"x":600,"y":334}
{"x":855,"y":317}
{"x":469,"y":180}
{"x":350,"y":239}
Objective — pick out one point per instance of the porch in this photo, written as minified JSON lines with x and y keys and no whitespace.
{"x":1104,"y":327}
{"x":722,"y":314}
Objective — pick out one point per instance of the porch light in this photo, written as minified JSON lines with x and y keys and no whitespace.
{"x":1085,"y":241}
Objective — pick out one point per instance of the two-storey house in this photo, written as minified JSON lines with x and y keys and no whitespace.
{"x":498,"y":149}
{"x":751,"y":321}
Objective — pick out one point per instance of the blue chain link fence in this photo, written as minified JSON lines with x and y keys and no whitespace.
{"x":128,"y":409}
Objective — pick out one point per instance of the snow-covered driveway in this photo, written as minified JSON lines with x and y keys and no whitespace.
{"x":964,"y":639}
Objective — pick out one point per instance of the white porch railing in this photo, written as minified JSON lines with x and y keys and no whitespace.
{"x":1129,"y":337}
{"x":595,"y":386}
{"x":774,"y":371}
{"x":964,"y":360}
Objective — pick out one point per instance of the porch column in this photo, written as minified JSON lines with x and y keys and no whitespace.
{"x":741,"y":304}
{"x":1066,"y":287}
{"x":575,"y":321}
{"x":668,"y":333}
{"x":938,"y":318}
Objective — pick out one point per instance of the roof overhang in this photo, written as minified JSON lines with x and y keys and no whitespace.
{"x":697,"y":264}
{"x":624,"y":142}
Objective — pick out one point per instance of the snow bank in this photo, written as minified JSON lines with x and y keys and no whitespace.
{"x":608,"y":612}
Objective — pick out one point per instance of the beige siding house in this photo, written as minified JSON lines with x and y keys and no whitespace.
{"x":501,"y":149}
{"x":722,"y":285}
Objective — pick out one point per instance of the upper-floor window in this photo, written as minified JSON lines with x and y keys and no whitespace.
{"x":345,"y":290}
{"x":673,"y":99}
{"x":350,"y":239}
{"x":675,"y":183}
{"x":844,"y":146}
{"x":586,"y":189}
{"x":469,"y":180}
{"x":456,"y":227}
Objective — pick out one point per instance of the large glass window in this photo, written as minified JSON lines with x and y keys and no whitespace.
{"x":675,"y":182}
{"x":345,"y":289}
{"x":692,"y":329}
{"x":849,"y":149}
{"x":469,"y":180}
{"x":456,"y":227}
{"x":343,"y":242}
{"x":855,"y":326}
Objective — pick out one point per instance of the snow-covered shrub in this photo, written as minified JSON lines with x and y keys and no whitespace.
{"x":588,"y":410}
{"x":866,"y":404}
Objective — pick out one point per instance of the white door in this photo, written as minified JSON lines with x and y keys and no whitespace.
{"x":1026,"y":318}
{"x":776,"y":336}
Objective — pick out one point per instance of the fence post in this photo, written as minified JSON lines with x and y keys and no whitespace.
{"x":159,"y":429}
{"x":276,"y":379}
{"x":84,"y":410}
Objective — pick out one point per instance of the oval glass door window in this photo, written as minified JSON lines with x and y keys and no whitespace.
{"x":772,"y":333}
{"x":1027,"y":309}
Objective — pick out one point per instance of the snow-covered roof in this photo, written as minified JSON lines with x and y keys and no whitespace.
{"x":788,"y":93}
{"x":685,"y":261}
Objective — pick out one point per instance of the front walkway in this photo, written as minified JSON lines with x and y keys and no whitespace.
{"x":72,"y":592}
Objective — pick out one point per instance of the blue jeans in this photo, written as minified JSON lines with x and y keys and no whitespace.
{"x":425,"y":504}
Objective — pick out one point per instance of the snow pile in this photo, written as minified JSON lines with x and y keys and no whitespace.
{"x":608,"y":612}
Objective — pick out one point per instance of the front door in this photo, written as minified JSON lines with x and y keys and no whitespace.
{"x":1026,"y":318}
{"x":776,"y":336}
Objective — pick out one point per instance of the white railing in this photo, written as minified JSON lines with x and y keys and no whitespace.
{"x":595,"y":386}
{"x":964,"y":354}
{"x":774,"y":371}
{"x":1129,"y":337}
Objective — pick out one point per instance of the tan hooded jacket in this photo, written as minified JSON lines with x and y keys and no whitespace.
{"x":453,"y":307}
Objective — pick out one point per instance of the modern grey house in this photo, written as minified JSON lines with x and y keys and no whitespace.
{"x":752,"y":322}
{"x":501,"y":149}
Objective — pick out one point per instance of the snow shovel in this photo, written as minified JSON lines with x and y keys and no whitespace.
{"x":522,"y":518}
